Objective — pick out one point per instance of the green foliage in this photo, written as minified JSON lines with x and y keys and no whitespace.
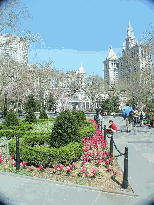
{"x":43,"y":127}
{"x":43,"y":114}
{"x":30,"y":117}
{"x":64,"y":155}
{"x":80,"y":116}
{"x":11,"y":119}
{"x":51,"y":103}
{"x":111,"y":104}
{"x":65,"y":130}
{"x":31,"y":103}
{"x":3,"y":127}
{"x":88,"y":129}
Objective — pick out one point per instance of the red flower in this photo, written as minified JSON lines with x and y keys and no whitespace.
{"x":115,"y":173}
{"x":12,"y":156}
{"x":40,"y":167}
{"x":68,"y":170}
{"x":73,"y":165}
{"x":61,"y":167}
{"x":70,"y":166}
{"x":106,"y":161}
{"x":111,"y":159}
{"x":55,"y":167}
{"x":94,"y":172}
{"x":23,"y":163}
{"x":107,"y":153}
{"x":31,"y":168}
{"x":111,"y":168}
{"x":81,"y":170}
{"x":14,"y":163}
{"x":108,"y":169}
{"x":86,"y":174}
{"x":1,"y":160}
{"x":88,"y":153}
{"x":98,"y":153}
{"x":6,"y":159}
{"x":84,"y":169}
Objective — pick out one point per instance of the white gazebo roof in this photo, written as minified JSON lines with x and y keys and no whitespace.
{"x":111,"y":55}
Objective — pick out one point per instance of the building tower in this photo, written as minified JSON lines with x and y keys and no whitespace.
{"x":111,"y":67}
{"x":130,"y":39}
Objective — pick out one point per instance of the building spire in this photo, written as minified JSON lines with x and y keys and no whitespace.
{"x":129,"y":24}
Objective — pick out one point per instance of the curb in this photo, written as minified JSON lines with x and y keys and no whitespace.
{"x":110,"y":191}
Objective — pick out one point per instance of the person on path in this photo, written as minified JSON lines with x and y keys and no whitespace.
{"x":128,"y":115}
{"x":135,"y":116}
{"x":141,"y":115}
{"x":111,"y":128}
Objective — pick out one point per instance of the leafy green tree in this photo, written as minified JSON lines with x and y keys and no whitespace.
{"x":43,"y":114}
{"x":11,"y":119}
{"x":66,"y":130}
{"x":30,"y":117}
{"x":51,"y":102}
{"x":111,"y":104}
{"x":31,"y":103}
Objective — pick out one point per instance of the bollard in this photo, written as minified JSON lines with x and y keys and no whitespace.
{"x":104,"y":132}
{"x":17,"y":153}
{"x":125,"y":175}
{"x":101,"y":126}
{"x":111,"y":144}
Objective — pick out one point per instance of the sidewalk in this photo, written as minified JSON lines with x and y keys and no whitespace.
{"x":20,"y":189}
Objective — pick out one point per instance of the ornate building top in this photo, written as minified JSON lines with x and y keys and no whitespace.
{"x":111,"y":55}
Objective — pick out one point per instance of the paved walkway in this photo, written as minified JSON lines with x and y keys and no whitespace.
{"x":17,"y":189}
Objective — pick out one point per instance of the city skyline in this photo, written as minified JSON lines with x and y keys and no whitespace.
{"x":83,"y":31}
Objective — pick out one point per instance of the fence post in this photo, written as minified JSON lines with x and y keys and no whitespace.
{"x":104,"y":132}
{"x":111,"y":144}
{"x":17,"y":153}
{"x":101,"y":126}
{"x":125,"y":175}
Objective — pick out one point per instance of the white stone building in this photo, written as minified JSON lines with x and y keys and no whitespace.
{"x":134,"y":57}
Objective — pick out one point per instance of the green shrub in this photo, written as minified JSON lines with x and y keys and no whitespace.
{"x":88,"y":129}
{"x":65,"y":130}
{"x":43,"y":115}
{"x":80,"y":116}
{"x":11,"y":119}
{"x":30,"y":117}
{"x":64,"y":155}
{"x":3,"y":127}
{"x":46,"y":126}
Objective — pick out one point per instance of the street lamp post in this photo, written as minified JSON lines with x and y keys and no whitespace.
{"x":133,"y":100}
{"x":5,"y":103}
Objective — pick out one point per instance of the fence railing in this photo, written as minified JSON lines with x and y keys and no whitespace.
{"x":125,"y":174}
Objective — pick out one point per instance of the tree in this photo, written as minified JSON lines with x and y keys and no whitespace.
{"x":31,"y":103}
{"x":111,"y":104}
{"x":51,"y":103}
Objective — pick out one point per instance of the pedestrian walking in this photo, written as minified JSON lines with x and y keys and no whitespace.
{"x":135,"y":117}
{"x":141,"y":114}
{"x":128,"y":116}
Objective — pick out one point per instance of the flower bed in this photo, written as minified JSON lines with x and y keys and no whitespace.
{"x":96,"y":166}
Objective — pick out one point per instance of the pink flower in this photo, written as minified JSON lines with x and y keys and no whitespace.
{"x":14,"y":163}
{"x":23,"y":163}
{"x":111,"y":159}
{"x":55,"y":167}
{"x":93,"y":168}
{"x":107,"y":153}
{"x":88,"y":153}
{"x":86,"y":174}
{"x":70,"y":166}
{"x":6,"y":159}
{"x":111,"y":168}
{"x":40,"y":167}
{"x":1,"y":160}
{"x":68,"y":170}
{"x":94,"y":172}
{"x":84,"y":162}
{"x":81,"y":170}
{"x":108,"y":169}
{"x":115,"y":173}
{"x":106,"y":161}
{"x":96,"y":157}
{"x":98,"y":153}
{"x":73,"y":165}
{"x":84,"y":169}
{"x":12,"y":156}
{"x":99,"y":161}
{"x":61,"y":167}
{"x":31,"y":168}
{"x":93,"y":153}
{"x":111,"y":155}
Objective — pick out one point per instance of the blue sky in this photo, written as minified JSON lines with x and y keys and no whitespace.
{"x":75,"y":31}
